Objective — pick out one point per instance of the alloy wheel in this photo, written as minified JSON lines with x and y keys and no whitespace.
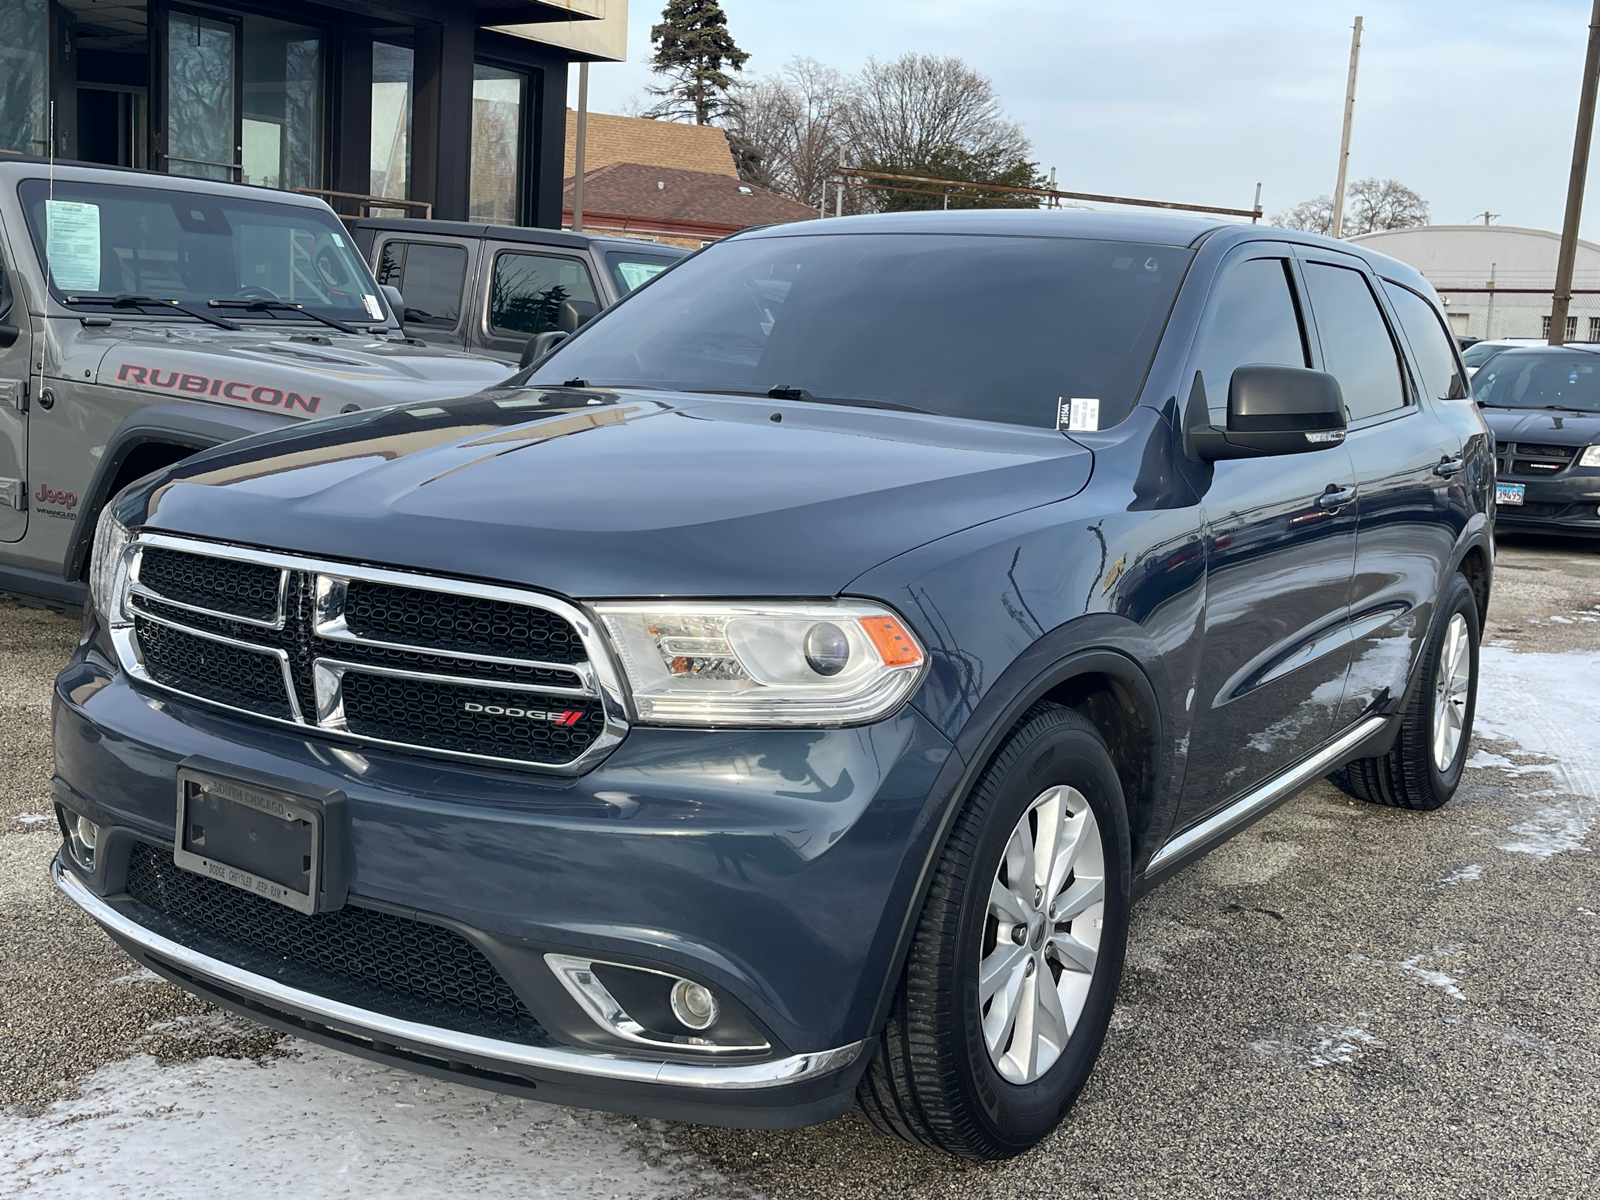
{"x":1042,"y":934}
{"x":1451,"y":683}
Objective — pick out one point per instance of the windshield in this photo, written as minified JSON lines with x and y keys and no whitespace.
{"x":108,"y":240}
{"x":1540,"y":379}
{"x":991,"y":328}
{"x":1479,"y":353}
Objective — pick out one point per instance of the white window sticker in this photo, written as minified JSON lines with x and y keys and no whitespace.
{"x":1080,"y":414}
{"x":337,"y":240}
{"x":635,"y":273}
{"x":374,"y":309}
{"x":72,"y":244}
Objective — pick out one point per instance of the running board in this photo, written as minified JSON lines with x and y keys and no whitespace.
{"x":1256,"y":803}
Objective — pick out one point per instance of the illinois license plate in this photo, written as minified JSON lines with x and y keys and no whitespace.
{"x":251,"y":837}
{"x":1508,"y":493}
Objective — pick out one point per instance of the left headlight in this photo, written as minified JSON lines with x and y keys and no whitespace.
{"x":108,"y":567}
{"x":789,"y":663}
{"x":1590,"y":457}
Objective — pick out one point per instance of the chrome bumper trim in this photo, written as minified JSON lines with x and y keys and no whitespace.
{"x":591,"y":1064}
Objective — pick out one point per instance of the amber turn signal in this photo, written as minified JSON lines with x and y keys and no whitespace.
{"x":895,"y":646}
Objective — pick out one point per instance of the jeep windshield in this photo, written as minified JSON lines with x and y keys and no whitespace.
{"x":992,"y":328}
{"x":144,"y":244}
{"x":1536,"y":378}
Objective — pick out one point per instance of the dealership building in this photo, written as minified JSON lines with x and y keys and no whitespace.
{"x":456,"y":107}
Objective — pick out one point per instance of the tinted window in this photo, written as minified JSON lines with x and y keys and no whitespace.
{"x":990,"y":328}
{"x":630,"y":270}
{"x":1251,"y":319}
{"x":1431,"y":347}
{"x":1540,"y":379}
{"x":430,"y":278}
{"x":527,"y":291}
{"x":1479,"y":353}
{"x":1356,"y":348}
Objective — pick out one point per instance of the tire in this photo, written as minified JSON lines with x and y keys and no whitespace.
{"x":934,"y":1079}
{"x":1411,"y":774}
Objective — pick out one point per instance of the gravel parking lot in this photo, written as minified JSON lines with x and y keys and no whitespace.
{"x":1344,"y":1000}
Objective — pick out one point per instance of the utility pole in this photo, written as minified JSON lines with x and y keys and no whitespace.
{"x":1486,"y":215}
{"x":1580,"y":170}
{"x":1337,"y":228}
{"x":578,"y":146}
{"x":1488,"y":321}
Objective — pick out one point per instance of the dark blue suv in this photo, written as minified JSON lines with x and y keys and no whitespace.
{"x":773,"y":698}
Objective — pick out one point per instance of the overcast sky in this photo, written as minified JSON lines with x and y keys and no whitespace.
{"x":1470,"y":102}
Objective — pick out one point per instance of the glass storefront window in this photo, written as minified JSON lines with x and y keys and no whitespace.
{"x":283,"y":102}
{"x":393,"y":71}
{"x":498,"y":99}
{"x":202,"y":79}
{"x":24,"y":35}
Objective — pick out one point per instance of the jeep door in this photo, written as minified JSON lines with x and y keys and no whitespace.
{"x":1280,"y":547}
{"x":16,"y":352}
{"x":1405,"y":459}
{"x":524,"y":292}
{"x":432,"y":274}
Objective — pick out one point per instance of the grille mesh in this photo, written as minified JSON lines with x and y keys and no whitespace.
{"x":228,"y":674}
{"x":379,"y":950}
{"x":408,"y":710}
{"x":244,"y":589}
{"x":435,"y":620}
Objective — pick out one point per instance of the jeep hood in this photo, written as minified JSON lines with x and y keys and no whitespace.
{"x":298,"y":368}
{"x":610,"y":494}
{"x":1544,"y":426}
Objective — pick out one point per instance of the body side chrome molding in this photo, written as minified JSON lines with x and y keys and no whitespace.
{"x":1267,"y":794}
{"x":593,"y":1064}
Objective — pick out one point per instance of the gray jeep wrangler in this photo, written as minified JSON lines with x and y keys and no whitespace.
{"x":144,"y":317}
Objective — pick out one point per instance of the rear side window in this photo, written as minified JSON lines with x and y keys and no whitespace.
{"x":1253,"y":319}
{"x":1431,"y":346}
{"x":1356,"y":347}
{"x":430,"y":278}
{"x":630,"y":270}
{"x":527,"y":291}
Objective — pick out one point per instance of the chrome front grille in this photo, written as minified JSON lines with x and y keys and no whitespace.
{"x":437,"y":665}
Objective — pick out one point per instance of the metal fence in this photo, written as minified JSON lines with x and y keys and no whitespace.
{"x":1485,"y":312}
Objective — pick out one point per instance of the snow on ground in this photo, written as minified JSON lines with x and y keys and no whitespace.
{"x":315,"y":1124}
{"x":1549,"y":706}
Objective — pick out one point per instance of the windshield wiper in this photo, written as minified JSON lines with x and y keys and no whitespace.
{"x":130,"y":301}
{"x":792,"y":393}
{"x":261,"y":304}
{"x":1568,"y":408}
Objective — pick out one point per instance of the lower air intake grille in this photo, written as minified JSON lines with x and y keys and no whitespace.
{"x":469,"y":720}
{"x":394,"y":962}
{"x":229,"y":674}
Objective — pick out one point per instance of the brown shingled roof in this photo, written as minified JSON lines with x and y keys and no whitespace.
{"x":609,"y":139}
{"x":698,"y":196}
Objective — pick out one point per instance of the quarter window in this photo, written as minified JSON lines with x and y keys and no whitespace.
{"x":1253,"y":319}
{"x":430,"y":278}
{"x":1356,"y":347}
{"x":1430,"y":345}
{"x":528,"y":290}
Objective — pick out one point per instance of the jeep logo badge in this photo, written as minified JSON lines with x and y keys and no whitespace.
{"x":528,"y":714}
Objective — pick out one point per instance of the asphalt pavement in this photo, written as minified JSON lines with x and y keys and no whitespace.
{"x":1345,"y":1000}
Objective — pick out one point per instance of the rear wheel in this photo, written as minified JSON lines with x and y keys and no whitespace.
{"x":1423,"y":767}
{"x":1008,"y":989}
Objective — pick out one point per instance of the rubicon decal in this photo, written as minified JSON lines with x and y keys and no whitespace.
{"x":205,"y":385}
{"x":49,"y":495}
{"x":568,"y":717}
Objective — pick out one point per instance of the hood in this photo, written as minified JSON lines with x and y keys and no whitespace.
{"x":606,"y":494}
{"x":1542,"y":425}
{"x":300,"y":369}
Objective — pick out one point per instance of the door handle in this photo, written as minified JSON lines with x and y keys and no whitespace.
{"x":1335,"y":497}
{"x":1447,"y":467}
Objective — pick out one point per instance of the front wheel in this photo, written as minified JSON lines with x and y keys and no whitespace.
{"x":1423,"y":767}
{"x":1013,"y":970}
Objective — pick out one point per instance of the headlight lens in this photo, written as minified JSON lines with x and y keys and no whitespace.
{"x":1590,"y":457}
{"x":108,"y":568}
{"x":781,"y":663}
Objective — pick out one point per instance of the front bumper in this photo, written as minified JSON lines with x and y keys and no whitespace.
{"x":776,"y":867}
{"x":1566,"y":503}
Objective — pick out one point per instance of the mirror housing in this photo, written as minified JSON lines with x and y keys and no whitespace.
{"x":575,"y":314}
{"x":1271,"y":410}
{"x":397,"y":303}
{"x":541,"y":344}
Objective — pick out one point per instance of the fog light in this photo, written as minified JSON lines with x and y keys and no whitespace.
{"x":694,"y":1005}
{"x":82,"y":836}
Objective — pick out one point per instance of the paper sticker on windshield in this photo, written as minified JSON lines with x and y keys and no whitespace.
{"x":72,"y":244}
{"x":374,"y":309}
{"x":1078,"y":415}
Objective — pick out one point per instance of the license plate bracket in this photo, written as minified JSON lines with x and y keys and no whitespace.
{"x":1509,"y":493}
{"x":255,"y":837}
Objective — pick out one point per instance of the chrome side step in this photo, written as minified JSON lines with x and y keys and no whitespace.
{"x":1255,"y":802}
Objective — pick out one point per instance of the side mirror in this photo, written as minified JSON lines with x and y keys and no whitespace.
{"x":397,"y":303}
{"x":575,"y":314}
{"x":541,"y":344}
{"x":1271,"y":410}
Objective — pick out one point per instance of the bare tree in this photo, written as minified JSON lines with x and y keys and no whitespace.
{"x":1314,"y":216}
{"x":786,"y":129}
{"x":1370,"y":205}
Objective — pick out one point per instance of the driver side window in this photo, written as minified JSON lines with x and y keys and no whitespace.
{"x":1253,"y":318}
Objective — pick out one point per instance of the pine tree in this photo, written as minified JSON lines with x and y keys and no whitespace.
{"x":693,"y":46}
